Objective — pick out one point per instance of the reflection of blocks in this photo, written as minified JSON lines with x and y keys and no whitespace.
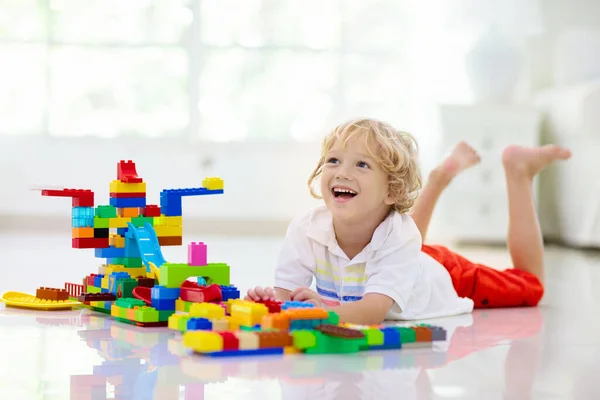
{"x":197,"y":254}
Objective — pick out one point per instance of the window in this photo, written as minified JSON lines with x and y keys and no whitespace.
{"x":217,"y":70}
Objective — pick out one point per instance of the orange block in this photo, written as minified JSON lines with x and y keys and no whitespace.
{"x":275,"y":321}
{"x":129,"y":212}
{"x":83,"y":233}
{"x":117,"y":241}
{"x":131,"y":314}
{"x":305,"y":313}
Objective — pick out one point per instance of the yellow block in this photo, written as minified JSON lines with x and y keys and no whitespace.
{"x":168,"y":221}
{"x":248,"y":313}
{"x":82,"y":233}
{"x":203,"y":341}
{"x":120,"y":187}
{"x":213,"y":183}
{"x":116,"y":241}
{"x":114,"y":310}
{"x":128,"y":212}
{"x":179,"y":306}
{"x":104,"y":282}
{"x":133,"y":272}
{"x":163,"y":230}
{"x":174,"y":321}
{"x":118,"y":222}
{"x":207,"y":310}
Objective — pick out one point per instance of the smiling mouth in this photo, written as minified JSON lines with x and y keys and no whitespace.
{"x":342,"y":193}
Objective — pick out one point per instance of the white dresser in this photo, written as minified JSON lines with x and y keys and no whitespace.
{"x":474,"y":208}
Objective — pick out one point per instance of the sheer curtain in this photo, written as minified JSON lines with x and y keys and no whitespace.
{"x":224,"y":70}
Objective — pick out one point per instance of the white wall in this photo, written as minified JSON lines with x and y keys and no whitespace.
{"x":262,"y":180}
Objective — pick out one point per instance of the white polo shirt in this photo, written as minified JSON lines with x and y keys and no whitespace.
{"x":392,"y":264}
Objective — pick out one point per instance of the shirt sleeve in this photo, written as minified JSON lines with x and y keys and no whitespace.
{"x":396,"y":273}
{"x":294,"y":265}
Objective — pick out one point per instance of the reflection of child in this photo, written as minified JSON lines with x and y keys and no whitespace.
{"x":365,"y":251}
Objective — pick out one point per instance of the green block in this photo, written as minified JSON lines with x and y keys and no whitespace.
{"x":333,"y":318}
{"x":334,"y":345}
{"x":131,"y":262}
{"x":173,"y":275}
{"x":182,"y":323}
{"x":374,"y":337}
{"x":129,"y":302}
{"x":304,"y":339}
{"x":122,"y":313}
{"x":163,"y":315}
{"x":125,"y":287}
{"x":146,"y":314}
{"x":92,"y":289}
{"x":106,"y":211}
{"x":139,"y":222}
{"x":407,"y":335}
{"x":101,"y":222}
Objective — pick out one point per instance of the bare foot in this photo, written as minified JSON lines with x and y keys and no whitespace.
{"x":461,"y":157}
{"x":530,"y":161}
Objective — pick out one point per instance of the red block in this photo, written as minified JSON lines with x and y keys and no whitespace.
{"x":90,"y":279}
{"x":127,"y":195}
{"x":90,"y":243}
{"x":81,"y":197}
{"x":126,"y":172}
{"x":152,"y":211}
{"x":230,"y":341}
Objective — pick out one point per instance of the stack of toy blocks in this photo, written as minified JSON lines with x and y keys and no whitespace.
{"x":251,"y":328}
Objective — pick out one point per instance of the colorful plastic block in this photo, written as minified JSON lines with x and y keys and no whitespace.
{"x":105,"y":211}
{"x":197,"y":254}
{"x":213,"y":183}
{"x":173,"y":275}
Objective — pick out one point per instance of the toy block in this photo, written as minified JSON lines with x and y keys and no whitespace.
{"x":92,"y":289}
{"x":422,"y":334}
{"x":127,"y":195}
{"x":165,"y":293}
{"x":306,"y":313}
{"x":164,"y":231}
{"x":54,"y":294}
{"x":125,"y":287}
{"x":231,"y":342}
{"x":374,"y":337}
{"x":203,"y":341}
{"x":407,"y":336}
{"x":98,"y":280}
{"x":304,"y":340}
{"x":192,"y":292}
{"x":139,"y":222}
{"x":116,"y":241}
{"x":163,"y":304}
{"x":173,"y":275}
{"x":151,"y":210}
{"x":213,"y":183}
{"x":108,"y":252}
{"x":89,"y":297}
{"x":90,"y":243}
{"x":170,"y":240}
{"x":197,"y":254}
{"x":248,"y":313}
{"x":101,"y":233}
{"x":296,"y":304}
{"x":175,"y":319}
{"x":126,"y":172}
{"x":274,"y":306}
{"x":196,"y":324}
{"x":89,"y":280}
{"x":128,"y":212}
{"x":232,"y":292}
{"x":168,"y":221}
{"x":118,"y":222}
{"x":124,"y":202}
{"x":272,"y":339}
{"x":101,"y":222}
{"x":128,"y":302}
{"x":113,"y":280}
{"x":222,"y":324}
{"x":163,"y":315}
{"x":146,"y":314}
{"x":207,"y":310}
{"x":275,"y":321}
{"x":128,"y":262}
{"x":247,"y":340}
{"x":122,"y":187}
{"x":80,"y":197}
{"x":105,"y":211}
{"x":82,"y":233}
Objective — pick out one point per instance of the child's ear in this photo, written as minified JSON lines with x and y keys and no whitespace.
{"x":389,"y":201}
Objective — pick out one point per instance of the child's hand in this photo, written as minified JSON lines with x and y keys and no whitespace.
{"x":259,"y":293}
{"x":306,"y":295}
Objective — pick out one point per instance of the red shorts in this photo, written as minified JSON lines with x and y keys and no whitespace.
{"x":488,"y":287}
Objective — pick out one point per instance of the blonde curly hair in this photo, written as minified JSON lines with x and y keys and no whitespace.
{"x":395,"y":151}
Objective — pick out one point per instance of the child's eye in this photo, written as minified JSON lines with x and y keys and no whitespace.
{"x":362,"y":164}
{"x":333,"y":160}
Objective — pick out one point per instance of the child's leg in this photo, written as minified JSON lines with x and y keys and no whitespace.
{"x":461,"y":157}
{"x":524,"y":240}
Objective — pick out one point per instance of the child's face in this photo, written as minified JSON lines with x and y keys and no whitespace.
{"x":353,"y":185}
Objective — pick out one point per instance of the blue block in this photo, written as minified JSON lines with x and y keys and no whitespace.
{"x":163,"y":304}
{"x":164,"y":293}
{"x":296,"y":304}
{"x":391,"y":337}
{"x":199,"y":324}
{"x":256,"y":352}
{"x":102,"y":290}
{"x":230,"y":292}
{"x":82,"y":222}
{"x":110,"y":252}
{"x":113,"y":280}
{"x":98,"y":280}
{"x":122,"y":231}
{"x":128,"y":202}
{"x":82,"y":212}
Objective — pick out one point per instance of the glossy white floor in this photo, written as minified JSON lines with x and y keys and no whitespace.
{"x":549,"y":352}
